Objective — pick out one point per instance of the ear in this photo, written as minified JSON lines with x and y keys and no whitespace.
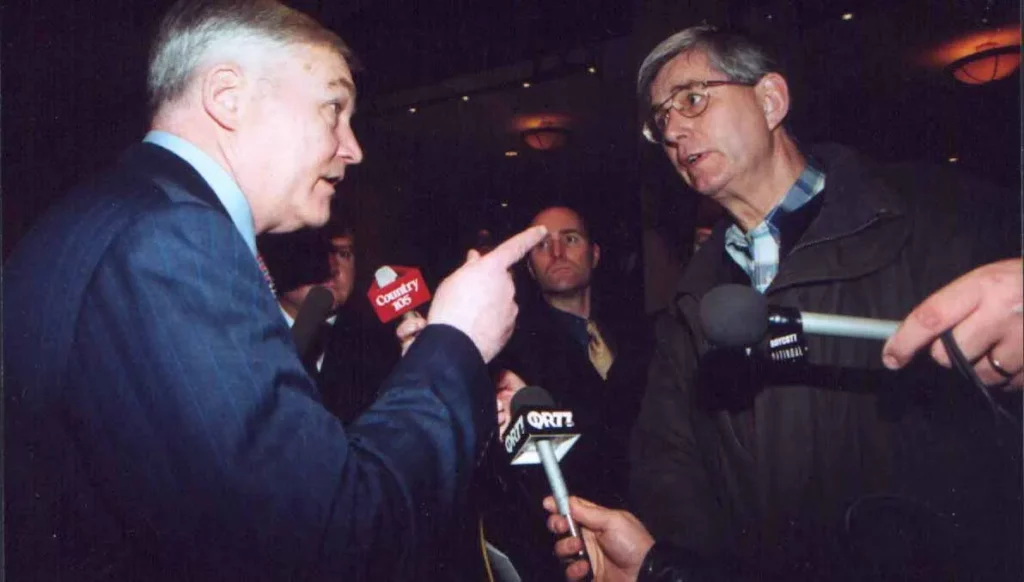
{"x":773,"y":94}
{"x":595,"y":250}
{"x":225,"y":89}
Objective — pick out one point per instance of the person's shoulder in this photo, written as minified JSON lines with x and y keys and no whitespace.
{"x":919,"y":183}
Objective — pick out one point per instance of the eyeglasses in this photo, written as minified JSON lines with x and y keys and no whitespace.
{"x":691,"y":100}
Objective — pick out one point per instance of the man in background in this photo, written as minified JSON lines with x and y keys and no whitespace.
{"x":351,"y":353}
{"x":592,"y":358}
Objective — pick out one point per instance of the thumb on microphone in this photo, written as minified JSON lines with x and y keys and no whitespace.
{"x":616,"y":540}
{"x":410,"y":328}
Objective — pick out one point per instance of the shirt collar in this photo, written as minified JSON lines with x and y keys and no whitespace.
{"x":222,"y":184}
{"x":809,"y":184}
{"x":574,"y":324}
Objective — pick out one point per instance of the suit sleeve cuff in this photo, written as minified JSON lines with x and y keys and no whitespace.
{"x":441,"y":342}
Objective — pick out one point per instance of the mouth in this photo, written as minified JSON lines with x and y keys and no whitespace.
{"x":333,"y":179}
{"x":692,"y":159}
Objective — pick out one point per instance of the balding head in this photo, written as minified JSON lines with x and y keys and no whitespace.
{"x":195,"y":34}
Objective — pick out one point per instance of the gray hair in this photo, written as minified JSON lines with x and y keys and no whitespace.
{"x":195,"y":31}
{"x":736,"y":56}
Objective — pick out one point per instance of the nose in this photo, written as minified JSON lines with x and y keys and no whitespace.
{"x":348,"y":145}
{"x":677,"y":126}
{"x":557,"y":248}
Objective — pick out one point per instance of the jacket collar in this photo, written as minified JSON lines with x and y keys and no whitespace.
{"x":157,"y":164}
{"x":856,"y":200}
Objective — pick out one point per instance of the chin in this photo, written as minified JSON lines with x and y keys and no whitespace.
{"x":317,"y":217}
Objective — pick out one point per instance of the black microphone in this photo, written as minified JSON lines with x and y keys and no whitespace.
{"x":738,"y":316}
{"x":540,"y":433}
{"x":314,"y":310}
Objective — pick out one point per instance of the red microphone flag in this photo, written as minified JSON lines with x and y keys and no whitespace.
{"x":402,"y":295}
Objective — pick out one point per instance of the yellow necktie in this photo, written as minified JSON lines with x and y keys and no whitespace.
{"x":600,"y":354}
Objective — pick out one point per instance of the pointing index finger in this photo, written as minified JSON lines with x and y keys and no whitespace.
{"x":509,"y":252}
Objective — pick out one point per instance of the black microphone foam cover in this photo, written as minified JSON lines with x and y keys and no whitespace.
{"x":533,"y":396}
{"x":311,"y":315}
{"x":734,"y":316}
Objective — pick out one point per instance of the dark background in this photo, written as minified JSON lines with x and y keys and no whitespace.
{"x":73,"y":81}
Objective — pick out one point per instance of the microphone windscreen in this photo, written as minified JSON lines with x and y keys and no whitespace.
{"x":734,"y":316}
{"x":311,"y":315}
{"x":531,"y":396}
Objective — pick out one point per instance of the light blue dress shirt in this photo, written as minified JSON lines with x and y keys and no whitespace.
{"x":223,"y":185}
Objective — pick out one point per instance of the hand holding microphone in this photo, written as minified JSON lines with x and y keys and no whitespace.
{"x":539,"y":433}
{"x":397,"y":292}
{"x":985,"y":311}
{"x":982,"y":312}
{"x":615,"y":540}
{"x":507,"y":385}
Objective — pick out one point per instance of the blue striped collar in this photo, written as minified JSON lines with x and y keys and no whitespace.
{"x":809,"y":184}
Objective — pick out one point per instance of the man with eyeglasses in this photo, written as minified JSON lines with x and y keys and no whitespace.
{"x":833,"y":467}
{"x":351,"y":354}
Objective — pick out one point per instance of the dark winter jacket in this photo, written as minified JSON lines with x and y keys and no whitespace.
{"x":835,"y":468}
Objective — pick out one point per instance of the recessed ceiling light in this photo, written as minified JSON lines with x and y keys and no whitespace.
{"x":953,"y":159}
{"x":591,"y":70}
{"x":504,"y":204}
{"x":848,"y":16}
{"x":465,"y":97}
{"x":511,"y":154}
{"x":412,"y":110}
{"x":526,"y":84}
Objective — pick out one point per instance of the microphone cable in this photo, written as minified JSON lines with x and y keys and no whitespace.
{"x":963,"y":365}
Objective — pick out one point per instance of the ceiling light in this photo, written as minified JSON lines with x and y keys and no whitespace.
{"x":848,"y":16}
{"x":526,"y":84}
{"x":988,"y":62}
{"x":504,"y":204}
{"x":546,"y":137}
{"x":953,"y":159}
{"x":511,"y":154}
{"x":465,"y":97}
{"x":592,"y":70}
{"x":412,"y":110}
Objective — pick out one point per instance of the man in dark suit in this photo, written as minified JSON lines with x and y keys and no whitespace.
{"x":159,"y":424}
{"x":351,"y":353}
{"x":592,"y":358}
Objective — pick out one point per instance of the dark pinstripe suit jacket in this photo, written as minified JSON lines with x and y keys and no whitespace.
{"x":160,"y":426}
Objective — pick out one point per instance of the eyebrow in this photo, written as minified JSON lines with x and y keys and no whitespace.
{"x":571,"y":231}
{"x":685,"y":85}
{"x":344,"y":84}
